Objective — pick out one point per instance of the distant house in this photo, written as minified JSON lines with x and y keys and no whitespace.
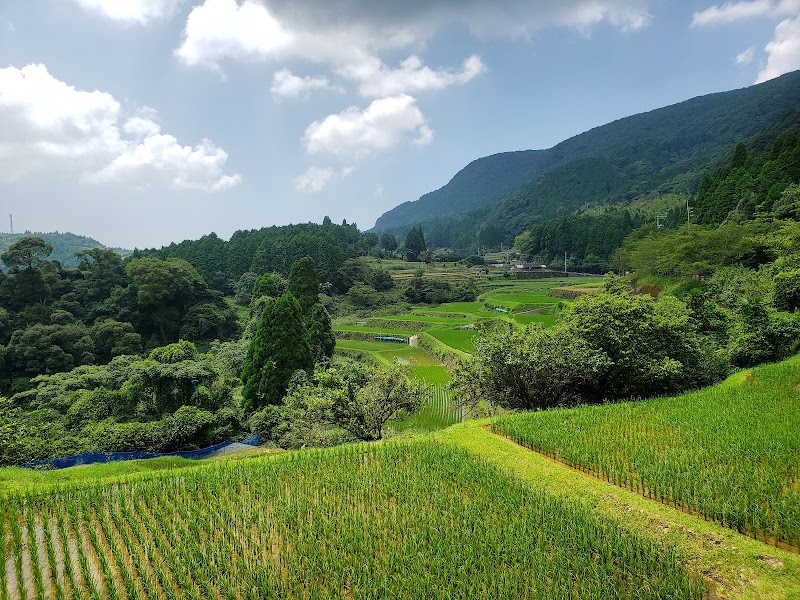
{"x":529,"y":266}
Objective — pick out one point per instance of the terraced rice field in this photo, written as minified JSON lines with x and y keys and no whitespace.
{"x":417,"y":519}
{"x":730,"y":452}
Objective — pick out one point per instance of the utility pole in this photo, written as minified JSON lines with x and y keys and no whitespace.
{"x":565,"y":261}
{"x":689,"y":213}
{"x":11,"y":223}
{"x":660,"y":218}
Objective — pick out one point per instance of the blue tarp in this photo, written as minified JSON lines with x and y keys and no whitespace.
{"x":95,"y":456}
{"x":390,"y":338}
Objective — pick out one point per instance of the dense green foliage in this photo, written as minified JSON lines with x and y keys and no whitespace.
{"x":65,"y":245}
{"x":271,"y":249}
{"x":606,"y":346}
{"x":303,"y":284}
{"x":665,"y":150}
{"x":401,"y":520}
{"x":54,"y":319}
{"x":280,"y":347}
{"x":731,"y":452}
{"x":175,"y":398}
{"x":752,"y":187}
{"x":414,"y":245}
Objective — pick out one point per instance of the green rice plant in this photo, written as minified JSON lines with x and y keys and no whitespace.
{"x":410,"y":520}
{"x":730,"y":453}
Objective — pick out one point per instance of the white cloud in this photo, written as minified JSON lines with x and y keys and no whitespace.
{"x":286,"y":84}
{"x":783,"y":52}
{"x":224,"y":29}
{"x":732,"y":11}
{"x":348,"y":32}
{"x":745,"y":9}
{"x":746,"y":56}
{"x":315,"y":179}
{"x":355,"y":132}
{"x":377,"y":80}
{"x":47,"y":125}
{"x":133,"y":11}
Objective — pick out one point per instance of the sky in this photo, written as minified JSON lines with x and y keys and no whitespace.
{"x":145,"y":122}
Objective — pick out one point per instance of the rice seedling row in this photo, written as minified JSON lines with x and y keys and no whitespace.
{"x":730,"y":453}
{"x":411,"y":519}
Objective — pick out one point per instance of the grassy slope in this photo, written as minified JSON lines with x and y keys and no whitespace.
{"x":701,"y":448}
{"x":732,"y":561}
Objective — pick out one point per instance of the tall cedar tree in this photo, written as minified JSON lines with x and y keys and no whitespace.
{"x":323,"y":341}
{"x":415,"y":243}
{"x":304,"y":284}
{"x":280,"y":347}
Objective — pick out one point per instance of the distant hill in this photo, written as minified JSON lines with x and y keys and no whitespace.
{"x":65,"y":245}
{"x":665,"y":150}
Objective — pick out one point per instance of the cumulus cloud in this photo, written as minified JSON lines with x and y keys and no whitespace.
{"x":220,"y":29}
{"x":347,"y":32}
{"x":377,"y":80}
{"x":286,"y":84}
{"x":783,"y":52}
{"x":132,"y":11}
{"x":46,"y":124}
{"x":731,"y":12}
{"x":315,"y":179}
{"x":355,"y":132}
{"x":746,"y":56}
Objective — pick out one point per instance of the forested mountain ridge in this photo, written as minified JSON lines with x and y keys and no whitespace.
{"x":65,"y":245}
{"x":664,"y":150}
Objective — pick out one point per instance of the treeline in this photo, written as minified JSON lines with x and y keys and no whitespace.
{"x":617,"y":345}
{"x":271,"y":250}
{"x":751,"y":186}
{"x":590,"y":241}
{"x":66,"y":246}
{"x":277,"y":380}
{"x":53,"y":318}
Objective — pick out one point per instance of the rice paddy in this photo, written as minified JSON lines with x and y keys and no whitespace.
{"x":730,"y":453}
{"x":414,"y":519}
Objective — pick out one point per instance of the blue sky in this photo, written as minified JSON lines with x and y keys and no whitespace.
{"x":141,"y":122}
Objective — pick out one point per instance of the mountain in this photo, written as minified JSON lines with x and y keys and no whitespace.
{"x":65,"y":245}
{"x":665,"y":150}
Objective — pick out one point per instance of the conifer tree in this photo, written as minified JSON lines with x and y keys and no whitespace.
{"x":320,"y":330}
{"x":304,"y":284}
{"x":279,"y":348}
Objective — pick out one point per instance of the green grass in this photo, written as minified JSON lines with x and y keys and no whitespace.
{"x":460,"y":339}
{"x":375,"y":330}
{"x":415,"y":519}
{"x":546,"y":320}
{"x":388,"y":352}
{"x":429,"y":319}
{"x":730,"y":452}
{"x":737,"y":567}
{"x":13,"y":478}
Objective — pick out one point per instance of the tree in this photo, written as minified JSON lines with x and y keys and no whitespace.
{"x":527,"y":369}
{"x":304,"y":284}
{"x":387,"y":392}
{"x":269,"y":284}
{"x":415,"y":243}
{"x":113,"y":338}
{"x":787,"y":290}
{"x":28,"y":252}
{"x":652,"y":345}
{"x":388,"y":242}
{"x":280,"y":347}
{"x":320,"y":331}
